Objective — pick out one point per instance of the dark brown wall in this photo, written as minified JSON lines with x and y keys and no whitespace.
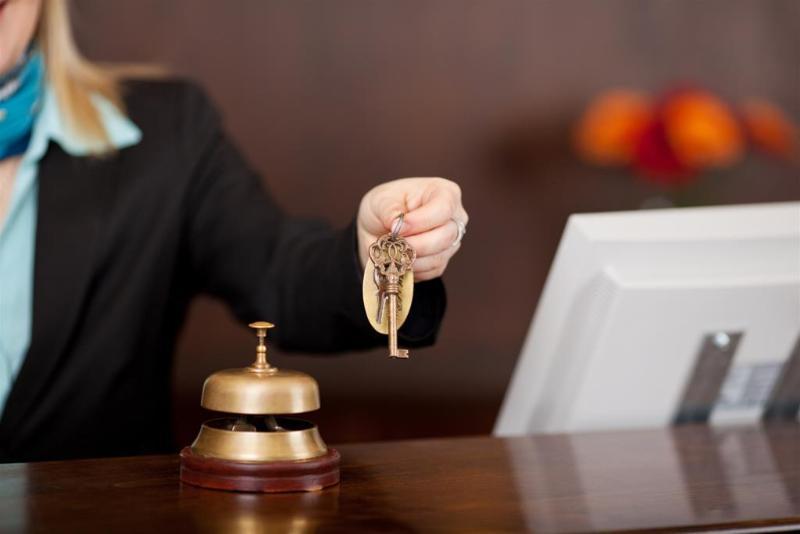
{"x":328,"y":98}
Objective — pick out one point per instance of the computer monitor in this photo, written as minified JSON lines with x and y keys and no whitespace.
{"x":655,"y":317}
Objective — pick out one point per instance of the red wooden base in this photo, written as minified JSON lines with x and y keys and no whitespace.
{"x":264,"y":477}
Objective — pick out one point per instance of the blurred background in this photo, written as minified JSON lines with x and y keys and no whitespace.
{"x":507,"y":97}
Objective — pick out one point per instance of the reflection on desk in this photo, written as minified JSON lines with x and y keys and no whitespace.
{"x":683,"y":478}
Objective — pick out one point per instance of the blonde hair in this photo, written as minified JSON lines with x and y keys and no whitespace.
{"x":74,"y":79}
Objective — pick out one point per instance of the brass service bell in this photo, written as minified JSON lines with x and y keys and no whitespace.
{"x":257,"y":448}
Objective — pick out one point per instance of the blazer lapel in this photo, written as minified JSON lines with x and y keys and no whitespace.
{"x":73,"y":201}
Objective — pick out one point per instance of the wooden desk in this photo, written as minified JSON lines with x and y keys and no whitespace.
{"x":688,"y":478}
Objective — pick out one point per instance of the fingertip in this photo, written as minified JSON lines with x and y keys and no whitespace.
{"x":408,"y":226}
{"x":390,"y":217}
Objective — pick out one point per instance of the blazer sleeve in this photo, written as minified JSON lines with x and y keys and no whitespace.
{"x":298,"y":273}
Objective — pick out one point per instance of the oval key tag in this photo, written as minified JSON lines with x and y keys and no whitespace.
{"x":370,"y":294}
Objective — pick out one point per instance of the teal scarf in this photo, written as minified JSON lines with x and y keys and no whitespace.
{"x":20,"y":100}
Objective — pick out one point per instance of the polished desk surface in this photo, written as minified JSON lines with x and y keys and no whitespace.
{"x":683,"y":478}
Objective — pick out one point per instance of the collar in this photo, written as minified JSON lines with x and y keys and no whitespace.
{"x":50,"y":125}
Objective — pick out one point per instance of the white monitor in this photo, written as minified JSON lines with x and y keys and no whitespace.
{"x":650,"y":318}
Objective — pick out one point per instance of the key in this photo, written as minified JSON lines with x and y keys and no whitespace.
{"x":392,"y":260}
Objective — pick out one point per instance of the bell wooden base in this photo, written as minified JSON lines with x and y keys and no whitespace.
{"x":262,"y":477}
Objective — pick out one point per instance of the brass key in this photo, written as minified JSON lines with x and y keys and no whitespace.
{"x":392,"y":261}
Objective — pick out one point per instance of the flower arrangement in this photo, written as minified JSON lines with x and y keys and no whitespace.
{"x":672,"y":138}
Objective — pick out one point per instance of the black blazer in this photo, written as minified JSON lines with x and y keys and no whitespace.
{"x":124,"y":242}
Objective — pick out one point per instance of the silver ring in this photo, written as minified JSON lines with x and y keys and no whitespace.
{"x":462,"y":231}
{"x":397,"y":225}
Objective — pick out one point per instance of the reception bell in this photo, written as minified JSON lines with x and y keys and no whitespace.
{"x":257,"y":446}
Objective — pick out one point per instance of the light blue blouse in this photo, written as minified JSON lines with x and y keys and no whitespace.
{"x":18,"y":232}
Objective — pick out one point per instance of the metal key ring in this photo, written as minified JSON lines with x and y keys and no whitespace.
{"x":397,"y":225}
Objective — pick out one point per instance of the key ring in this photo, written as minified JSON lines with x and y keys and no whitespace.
{"x":397,"y":225}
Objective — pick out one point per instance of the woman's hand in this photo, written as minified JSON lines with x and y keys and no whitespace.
{"x":433,"y":211}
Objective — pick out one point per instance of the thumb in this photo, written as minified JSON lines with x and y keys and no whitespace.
{"x":387,"y":210}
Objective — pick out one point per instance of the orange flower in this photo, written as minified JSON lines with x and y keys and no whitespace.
{"x":608,"y":132}
{"x":656,"y":162}
{"x":769,"y":129}
{"x":701,"y":129}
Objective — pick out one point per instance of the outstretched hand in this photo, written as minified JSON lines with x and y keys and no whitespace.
{"x":433,"y":215}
